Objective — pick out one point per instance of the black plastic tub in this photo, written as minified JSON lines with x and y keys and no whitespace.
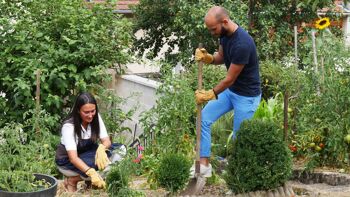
{"x":49,"y":192}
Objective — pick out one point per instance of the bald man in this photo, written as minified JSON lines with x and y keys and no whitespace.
{"x":239,"y":90}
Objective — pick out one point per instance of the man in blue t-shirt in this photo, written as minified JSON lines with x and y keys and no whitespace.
{"x":239,"y":91}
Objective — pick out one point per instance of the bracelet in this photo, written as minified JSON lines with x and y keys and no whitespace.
{"x":87,"y":170}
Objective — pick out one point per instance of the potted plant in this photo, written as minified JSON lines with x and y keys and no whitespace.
{"x":26,"y":184}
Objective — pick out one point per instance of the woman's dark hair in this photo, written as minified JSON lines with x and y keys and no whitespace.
{"x":74,"y":116}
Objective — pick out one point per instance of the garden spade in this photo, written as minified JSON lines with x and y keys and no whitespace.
{"x":197,"y":183}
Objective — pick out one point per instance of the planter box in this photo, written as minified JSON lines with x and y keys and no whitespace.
{"x":49,"y":192}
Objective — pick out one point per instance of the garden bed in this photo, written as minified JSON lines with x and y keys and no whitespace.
{"x":219,"y":189}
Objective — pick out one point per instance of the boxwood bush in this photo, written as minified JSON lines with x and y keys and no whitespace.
{"x":173,"y":172}
{"x":260,"y":159}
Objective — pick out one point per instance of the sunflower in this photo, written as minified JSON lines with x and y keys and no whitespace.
{"x":322,"y":23}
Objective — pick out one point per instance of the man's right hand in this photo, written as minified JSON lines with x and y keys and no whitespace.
{"x":96,"y":179}
{"x":203,"y":55}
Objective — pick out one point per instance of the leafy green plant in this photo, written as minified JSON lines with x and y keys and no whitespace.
{"x":117,"y":179}
{"x":149,"y":165}
{"x":26,"y":149}
{"x":221,"y":135}
{"x":174,"y":114}
{"x":272,"y":109}
{"x":324,"y":110}
{"x":260,"y":158}
{"x":173,"y":172}
{"x":21,"y":181}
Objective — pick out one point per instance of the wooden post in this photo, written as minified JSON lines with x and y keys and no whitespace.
{"x":37,"y":99}
{"x":322,"y":73}
{"x":346,"y":26}
{"x":296,"y":45}
{"x":285,"y":112}
{"x":315,"y":60}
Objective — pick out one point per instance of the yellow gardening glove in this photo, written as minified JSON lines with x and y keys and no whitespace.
{"x":204,"y":95}
{"x":101,"y":159}
{"x":96,"y":179}
{"x":203,"y":55}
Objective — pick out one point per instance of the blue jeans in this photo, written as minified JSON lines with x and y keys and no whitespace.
{"x":243,"y":106}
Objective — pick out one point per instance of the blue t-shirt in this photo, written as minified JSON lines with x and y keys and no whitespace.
{"x":239,"y":48}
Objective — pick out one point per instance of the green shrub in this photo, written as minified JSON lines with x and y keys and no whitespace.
{"x":117,"y":179}
{"x":70,"y":44}
{"x":260,"y":158}
{"x":173,"y":172}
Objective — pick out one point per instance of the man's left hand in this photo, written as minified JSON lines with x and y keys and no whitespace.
{"x":204,"y":95}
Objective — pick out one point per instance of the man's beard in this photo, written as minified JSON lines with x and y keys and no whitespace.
{"x":224,"y":31}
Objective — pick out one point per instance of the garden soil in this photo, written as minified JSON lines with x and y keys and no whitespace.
{"x":220,"y":189}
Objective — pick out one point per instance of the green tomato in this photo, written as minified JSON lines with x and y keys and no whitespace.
{"x":312,"y":145}
{"x":317,"y":148}
{"x":347,"y":138}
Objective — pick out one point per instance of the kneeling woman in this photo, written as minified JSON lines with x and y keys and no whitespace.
{"x":79,"y":155}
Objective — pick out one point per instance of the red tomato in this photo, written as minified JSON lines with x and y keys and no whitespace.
{"x":293,"y":148}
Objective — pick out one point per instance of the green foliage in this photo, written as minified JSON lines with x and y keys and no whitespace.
{"x":129,"y":192}
{"x":181,"y":19}
{"x":281,"y":76}
{"x":325,"y":108}
{"x":270,"y":24}
{"x":272,"y":109}
{"x":260,"y":158}
{"x":21,"y":181}
{"x":23,"y":148}
{"x":116,"y":180}
{"x":27,"y":148}
{"x":173,"y":118}
{"x":166,"y":19}
{"x":70,"y":44}
{"x":173,"y":172}
{"x":118,"y":177}
{"x":221,"y":135}
{"x":149,"y":165}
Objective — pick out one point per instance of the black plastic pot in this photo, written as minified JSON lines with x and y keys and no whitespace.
{"x":49,"y":192}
